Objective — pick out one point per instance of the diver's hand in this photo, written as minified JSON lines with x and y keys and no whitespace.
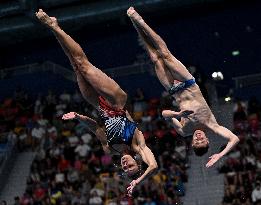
{"x":213,"y":159}
{"x":131,"y":187}
{"x":167,"y":114}
{"x":185,"y":113}
{"x":70,"y":116}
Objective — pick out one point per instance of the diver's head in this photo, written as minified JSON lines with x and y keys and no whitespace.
{"x":129,"y":165}
{"x":200,"y":142}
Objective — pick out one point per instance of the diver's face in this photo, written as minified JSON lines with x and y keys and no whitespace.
{"x":199,"y":139}
{"x":129,"y":165}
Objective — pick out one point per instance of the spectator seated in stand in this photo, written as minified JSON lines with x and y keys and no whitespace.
{"x":241,"y":168}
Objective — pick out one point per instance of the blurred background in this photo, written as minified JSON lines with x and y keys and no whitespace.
{"x":44,"y":160}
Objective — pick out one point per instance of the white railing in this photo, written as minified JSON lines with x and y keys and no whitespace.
{"x":247,"y":80}
{"x":130,"y":70}
{"x":69,"y":74}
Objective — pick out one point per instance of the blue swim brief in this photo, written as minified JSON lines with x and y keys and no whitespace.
{"x":181,"y":86}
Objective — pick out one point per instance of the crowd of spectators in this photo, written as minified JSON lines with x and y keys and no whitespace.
{"x":243,"y":165}
{"x":70,"y":166}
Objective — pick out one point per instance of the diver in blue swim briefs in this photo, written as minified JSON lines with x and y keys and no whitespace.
{"x":119,"y":134}
{"x":195,"y":117}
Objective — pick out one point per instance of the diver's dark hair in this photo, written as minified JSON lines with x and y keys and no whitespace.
{"x":200,"y":151}
{"x":136,"y":175}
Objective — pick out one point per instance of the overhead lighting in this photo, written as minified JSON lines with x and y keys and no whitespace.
{"x":217,"y":75}
{"x":227,"y":99}
{"x":214,"y":75}
{"x":235,"y":53}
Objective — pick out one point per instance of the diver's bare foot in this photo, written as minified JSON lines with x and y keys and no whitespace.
{"x":130,"y":11}
{"x":45,"y":19}
{"x":134,"y":15}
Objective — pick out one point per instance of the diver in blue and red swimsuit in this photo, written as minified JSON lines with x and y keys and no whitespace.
{"x":119,"y":135}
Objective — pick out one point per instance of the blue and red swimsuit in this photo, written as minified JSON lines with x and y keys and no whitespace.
{"x":119,"y":129}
